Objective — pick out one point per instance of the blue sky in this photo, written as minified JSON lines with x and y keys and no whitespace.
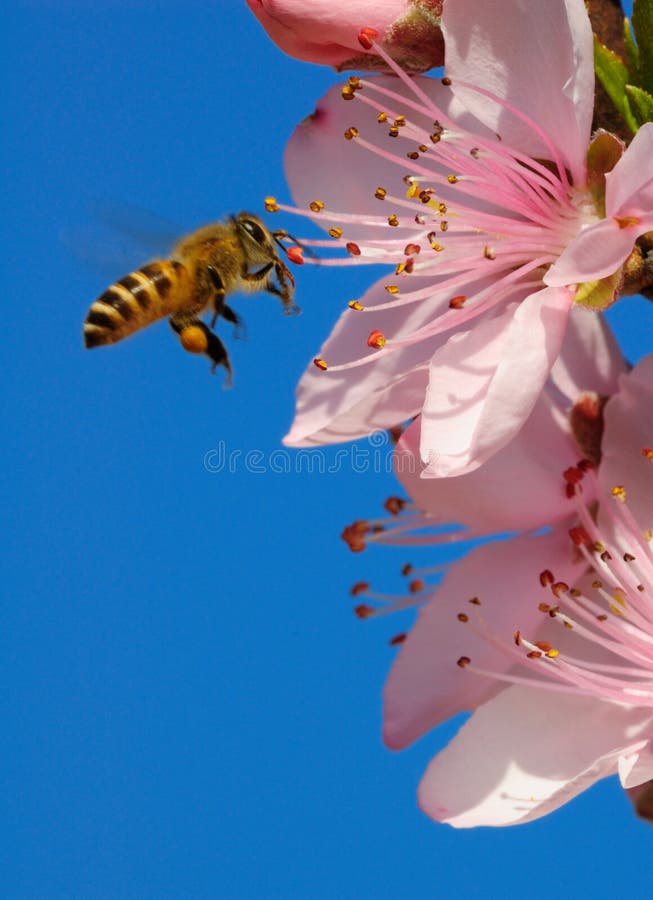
{"x":189,"y":707}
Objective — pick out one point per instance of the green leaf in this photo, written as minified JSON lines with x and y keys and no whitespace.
{"x":643,"y":29}
{"x":641,"y":104}
{"x":614,"y":76}
{"x":599,"y":295}
{"x":631,"y":52}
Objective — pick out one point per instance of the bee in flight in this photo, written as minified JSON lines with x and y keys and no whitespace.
{"x":204,"y":268}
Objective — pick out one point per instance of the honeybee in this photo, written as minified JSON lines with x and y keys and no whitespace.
{"x":204,"y":268}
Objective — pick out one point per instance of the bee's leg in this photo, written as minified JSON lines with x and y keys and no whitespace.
{"x":220,"y":307}
{"x":232,"y":316}
{"x":246,"y":275}
{"x":197,"y":337}
{"x":285,"y":295}
{"x":219,"y":293}
{"x":287,"y":285}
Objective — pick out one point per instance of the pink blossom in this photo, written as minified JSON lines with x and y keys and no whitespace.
{"x":326,"y":31}
{"x":479,"y":193}
{"x":519,"y":489}
{"x":548,"y":639}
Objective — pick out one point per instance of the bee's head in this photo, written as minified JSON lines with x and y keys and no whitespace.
{"x":257,"y":240}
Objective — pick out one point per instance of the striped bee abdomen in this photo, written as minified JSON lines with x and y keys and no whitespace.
{"x":156,"y":290}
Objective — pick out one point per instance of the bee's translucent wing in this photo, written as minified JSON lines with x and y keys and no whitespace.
{"x":119,"y":238}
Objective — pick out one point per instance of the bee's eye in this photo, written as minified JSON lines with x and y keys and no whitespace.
{"x":254,"y":230}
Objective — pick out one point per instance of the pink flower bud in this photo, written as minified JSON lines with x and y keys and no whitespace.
{"x":327,"y":31}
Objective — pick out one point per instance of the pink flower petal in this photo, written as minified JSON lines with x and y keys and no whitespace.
{"x":324,"y":31}
{"x":600,"y":250}
{"x":320,"y":164}
{"x":375,"y":410}
{"x":628,"y":430}
{"x":547,"y":72}
{"x":637,"y":767}
{"x":425,"y":685}
{"x":519,"y":758}
{"x":484,"y":383}
{"x":333,"y":406}
{"x":629,"y":186}
{"x":590,"y":358}
{"x":515,"y":490}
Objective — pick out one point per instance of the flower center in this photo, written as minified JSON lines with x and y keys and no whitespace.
{"x":597,"y":639}
{"x":469,"y":224}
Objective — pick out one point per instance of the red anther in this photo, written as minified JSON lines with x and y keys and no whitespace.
{"x":359,"y":588}
{"x":534,"y":654}
{"x":579,"y":536}
{"x":647,"y":452}
{"x":570,"y":491}
{"x":397,"y":639}
{"x":364,"y":611}
{"x":573,"y":475}
{"x":376,"y":340}
{"x":475,"y":601}
{"x":546,"y":578}
{"x":628,"y":557}
{"x":416,"y":586}
{"x":406,"y":569}
{"x":560,"y":588}
{"x":413,"y":250}
{"x":463,"y":662}
{"x":457,"y":302}
{"x":517,"y":638}
{"x":366,"y":37}
{"x":543,"y":645}
{"x":605,"y":556}
{"x":295,"y":255}
{"x":354,"y":535}
{"x":394,"y":505}
{"x":353,"y":249}
{"x":360,"y":526}
{"x":462,"y":617}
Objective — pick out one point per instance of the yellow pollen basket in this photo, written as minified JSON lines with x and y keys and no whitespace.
{"x":193,"y":339}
